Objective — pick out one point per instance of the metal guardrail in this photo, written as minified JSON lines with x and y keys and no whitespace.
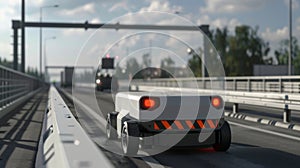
{"x":273,"y":92}
{"x":15,"y":87}
{"x":63,"y":142}
{"x":278,"y":84}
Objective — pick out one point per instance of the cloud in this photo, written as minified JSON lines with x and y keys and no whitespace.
{"x":8,"y":10}
{"x":73,"y":32}
{"x":95,"y":20}
{"x":224,"y":22}
{"x":120,"y":5}
{"x":162,"y":7}
{"x":296,"y":31}
{"x":36,"y":2}
{"x":87,"y":8}
{"x":219,"y":22}
{"x":295,"y":3}
{"x":298,"y":25}
{"x":6,"y":13}
{"x":230,"y":6}
{"x":204,"y":19}
{"x":155,"y":12}
{"x":275,"y":36}
{"x":13,"y":2}
{"x":157,"y":8}
{"x":5,"y":51}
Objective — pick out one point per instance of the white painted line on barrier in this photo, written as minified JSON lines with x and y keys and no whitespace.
{"x":266,"y":131}
{"x":296,"y":127}
{"x":282,"y":125}
{"x":263,"y":121}
{"x":252,"y":119}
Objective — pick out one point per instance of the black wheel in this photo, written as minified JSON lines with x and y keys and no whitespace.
{"x":224,"y":136}
{"x":111,"y":126}
{"x":130,"y":139}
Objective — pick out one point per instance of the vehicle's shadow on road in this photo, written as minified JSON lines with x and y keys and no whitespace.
{"x":239,"y":155}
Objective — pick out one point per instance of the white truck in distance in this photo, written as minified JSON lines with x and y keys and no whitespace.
{"x":140,"y":116}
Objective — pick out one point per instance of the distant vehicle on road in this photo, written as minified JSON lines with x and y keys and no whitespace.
{"x":105,"y":81}
{"x":132,"y":121}
{"x":66,"y":77}
{"x":104,"y":77}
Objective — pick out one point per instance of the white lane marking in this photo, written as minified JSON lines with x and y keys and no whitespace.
{"x":148,"y":159}
{"x":266,"y":131}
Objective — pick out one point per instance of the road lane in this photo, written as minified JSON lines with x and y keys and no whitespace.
{"x":250,"y":148}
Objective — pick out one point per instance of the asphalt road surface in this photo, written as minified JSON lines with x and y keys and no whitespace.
{"x":253,"y":145}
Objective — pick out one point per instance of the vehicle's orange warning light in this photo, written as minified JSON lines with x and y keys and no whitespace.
{"x":216,"y":102}
{"x":148,"y":103}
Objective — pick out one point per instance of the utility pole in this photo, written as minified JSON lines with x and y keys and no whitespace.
{"x":23,"y":37}
{"x":291,"y":39}
{"x":41,"y":34}
{"x":15,"y":26}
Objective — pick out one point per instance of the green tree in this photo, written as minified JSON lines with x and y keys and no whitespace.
{"x":238,"y":52}
{"x":132,"y":67}
{"x":195,"y":64}
{"x":296,"y":62}
{"x":167,"y":62}
{"x":146,"y":60}
{"x":6,"y":63}
{"x":282,"y":54}
{"x":128,"y":69}
{"x":167,"y":65}
{"x":220,"y":40}
{"x":246,"y":48}
{"x":34,"y":72}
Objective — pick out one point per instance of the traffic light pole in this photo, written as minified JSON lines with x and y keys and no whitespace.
{"x":22,"y":24}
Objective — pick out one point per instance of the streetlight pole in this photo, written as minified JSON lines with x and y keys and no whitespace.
{"x":41,"y":33}
{"x":23,"y":38}
{"x":291,"y":38}
{"x":45,"y":51}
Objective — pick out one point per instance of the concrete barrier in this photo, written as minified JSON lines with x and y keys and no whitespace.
{"x":63,"y":142}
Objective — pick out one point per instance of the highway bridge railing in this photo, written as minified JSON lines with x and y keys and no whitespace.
{"x":278,"y":92}
{"x":277,"y":84}
{"x":15,"y":88}
{"x":63,"y":142}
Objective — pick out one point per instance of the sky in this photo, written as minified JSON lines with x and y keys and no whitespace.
{"x":271,"y":16}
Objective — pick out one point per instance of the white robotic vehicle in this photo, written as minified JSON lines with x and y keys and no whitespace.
{"x":140,"y":115}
